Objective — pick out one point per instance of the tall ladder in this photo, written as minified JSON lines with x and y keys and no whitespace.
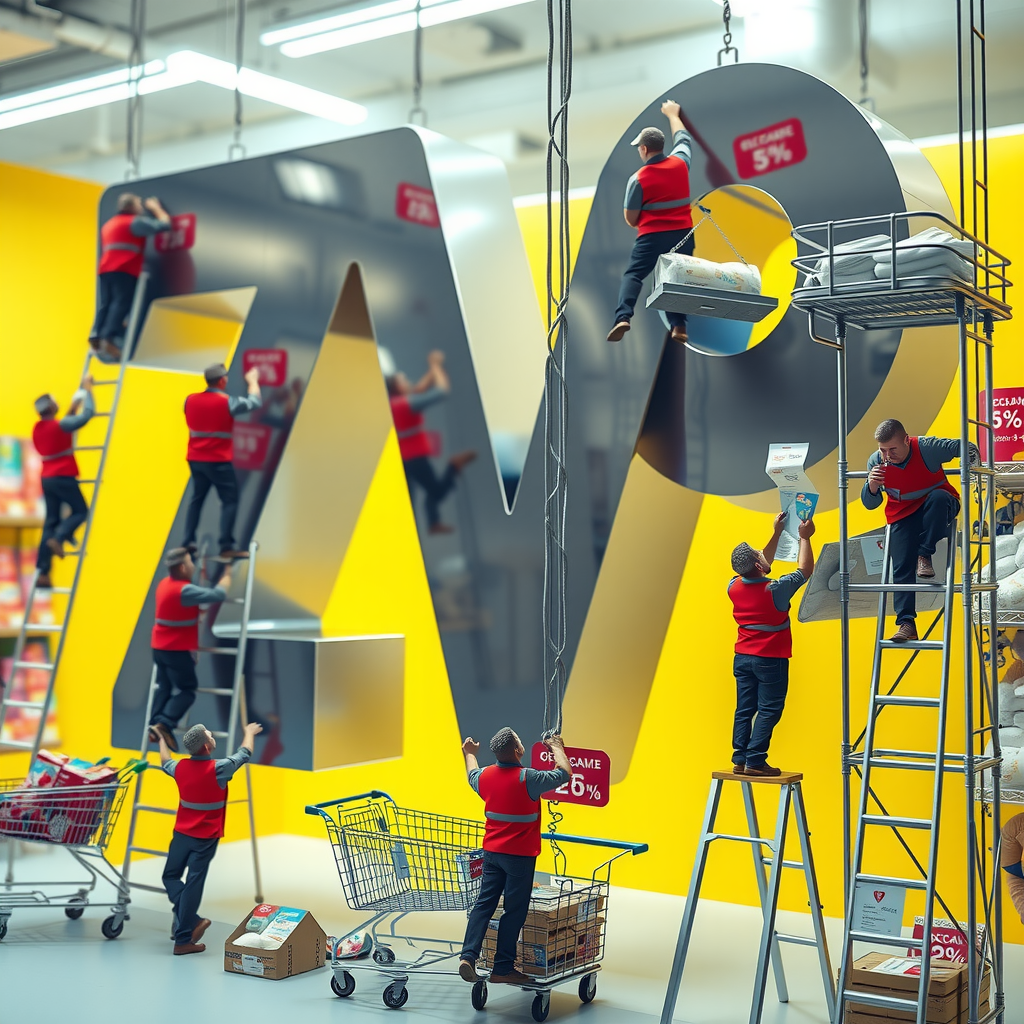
{"x":791,"y":799}
{"x":59,"y":630}
{"x":238,"y":712}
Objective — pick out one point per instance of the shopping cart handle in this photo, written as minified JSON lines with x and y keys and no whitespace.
{"x":374,"y":794}
{"x":611,"y":844}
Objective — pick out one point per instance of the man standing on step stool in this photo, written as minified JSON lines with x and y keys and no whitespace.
{"x":764,"y":644}
{"x":210,"y":416}
{"x":920,"y":507}
{"x":199,"y":826}
{"x":55,"y":441}
{"x":175,"y":642}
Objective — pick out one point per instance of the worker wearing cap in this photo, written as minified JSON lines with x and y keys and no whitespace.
{"x":175,"y":642}
{"x":202,"y":802}
{"x":123,"y":251}
{"x":657,"y":204}
{"x":210,"y":416}
{"x":54,"y":440}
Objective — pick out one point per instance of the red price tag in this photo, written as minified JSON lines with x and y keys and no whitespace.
{"x":417,"y":205}
{"x":770,"y":149}
{"x":250,"y":441}
{"x":182,"y":234}
{"x":271,"y":362}
{"x":591,"y":775}
{"x":947,"y":941}
{"x":1007,"y":424}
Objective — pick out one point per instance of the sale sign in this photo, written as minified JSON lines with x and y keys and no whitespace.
{"x":250,"y":441}
{"x":271,"y":362}
{"x":1007,"y":424}
{"x":770,"y":149}
{"x":416,"y":204}
{"x":591,"y":774}
{"x":182,"y":234}
{"x":948,"y":941}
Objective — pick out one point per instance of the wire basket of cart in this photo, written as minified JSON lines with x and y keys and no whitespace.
{"x":79,"y":819}
{"x":392,"y":862}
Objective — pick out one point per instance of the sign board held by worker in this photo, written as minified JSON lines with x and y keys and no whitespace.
{"x":797,"y":496}
{"x":591,"y":774}
{"x":271,"y":362}
{"x":182,"y":234}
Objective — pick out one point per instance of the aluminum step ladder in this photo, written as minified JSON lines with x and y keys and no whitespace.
{"x":791,"y":799}
{"x":59,"y":630}
{"x":238,"y":712}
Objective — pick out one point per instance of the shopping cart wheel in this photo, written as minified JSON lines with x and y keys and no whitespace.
{"x":541,"y":1005}
{"x":344,"y":986}
{"x":74,"y":913}
{"x":588,"y":988}
{"x":479,"y":995}
{"x":3,"y":930}
{"x":383,"y":955}
{"x":395,"y":996}
{"x":112,"y":927}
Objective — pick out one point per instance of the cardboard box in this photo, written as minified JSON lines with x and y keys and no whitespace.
{"x":303,"y":946}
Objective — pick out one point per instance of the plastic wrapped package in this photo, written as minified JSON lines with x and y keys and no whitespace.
{"x":677,"y":268}
{"x":1007,"y":544}
{"x":1009,"y":703}
{"x":1010,"y":594}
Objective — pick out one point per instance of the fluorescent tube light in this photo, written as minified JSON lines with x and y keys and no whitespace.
{"x":312,"y":28}
{"x":56,"y":92}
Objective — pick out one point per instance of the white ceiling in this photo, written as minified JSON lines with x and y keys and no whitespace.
{"x":485,"y":81}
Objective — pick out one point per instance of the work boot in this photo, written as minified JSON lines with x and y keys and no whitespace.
{"x":739,"y":769}
{"x":200,"y":930}
{"x":459,"y":461}
{"x":618,"y":331}
{"x":513,"y":977}
{"x":762,"y":769}
{"x":925,"y":571}
{"x":111,"y":351}
{"x":231,"y":555}
{"x":94,"y":344}
{"x":189,"y":947}
{"x":56,"y":546}
{"x":679,"y":334}
{"x":43,"y":582}
{"x":467,"y":971}
{"x":437,"y":528}
{"x":904,"y":631}
{"x":157,"y":730}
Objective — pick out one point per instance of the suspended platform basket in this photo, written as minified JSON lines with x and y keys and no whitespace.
{"x":695,"y":300}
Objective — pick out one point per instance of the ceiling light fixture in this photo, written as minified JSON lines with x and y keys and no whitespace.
{"x":377,"y":21}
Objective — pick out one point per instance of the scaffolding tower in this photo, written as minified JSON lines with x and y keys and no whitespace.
{"x":874,"y":810}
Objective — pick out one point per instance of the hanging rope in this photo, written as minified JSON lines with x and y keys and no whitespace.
{"x":862,"y":29}
{"x":556,"y":396}
{"x":133,"y":132}
{"x":236,"y":151}
{"x":417,"y":114}
{"x":727,"y":48}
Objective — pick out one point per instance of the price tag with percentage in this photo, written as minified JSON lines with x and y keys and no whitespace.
{"x":272,"y":364}
{"x":591,"y":775}
{"x":182,"y":234}
{"x":770,"y":149}
{"x":948,"y":941}
{"x":1007,"y":423}
{"x":416,"y":204}
{"x":250,"y":442}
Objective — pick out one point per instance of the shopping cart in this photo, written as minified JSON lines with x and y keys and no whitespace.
{"x":393,"y":861}
{"x":80,"y":819}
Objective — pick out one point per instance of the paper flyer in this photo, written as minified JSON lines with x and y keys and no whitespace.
{"x":797,"y":495}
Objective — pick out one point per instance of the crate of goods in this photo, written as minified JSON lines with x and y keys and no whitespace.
{"x":563,"y":933}
{"x":882,"y":974}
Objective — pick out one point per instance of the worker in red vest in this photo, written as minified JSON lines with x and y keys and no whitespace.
{"x":764,"y":644}
{"x":54,"y":440}
{"x":202,"y":802}
{"x":122,"y":252}
{"x":511,"y":795}
{"x":210,"y":416}
{"x":175,"y":642}
{"x":408,"y":403}
{"x":920,"y":507}
{"x":657,"y":204}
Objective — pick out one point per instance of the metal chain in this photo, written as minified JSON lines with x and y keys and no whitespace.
{"x":236,"y":151}
{"x":707,"y":216}
{"x":862,"y":29}
{"x":727,"y":36}
{"x":133,"y":131}
{"x":418,"y":113}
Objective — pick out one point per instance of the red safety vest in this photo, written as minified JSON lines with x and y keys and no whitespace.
{"x":513,"y":819}
{"x":201,"y":801}
{"x":907,"y":486}
{"x":56,"y":448}
{"x":413,"y":441}
{"x":763,"y":629}
{"x":666,"y":192}
{"x":210,"y":426}
{"x":121,"y":250}
{"x":176,"y":627}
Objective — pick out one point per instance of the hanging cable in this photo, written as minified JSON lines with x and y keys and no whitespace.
{"x":556,"y":396}
{"x":727,"y":48}
{"x":862,"y":29}
{"x":133,"y":132}
{"x":236,"y":151}
{"x":417,"y":114}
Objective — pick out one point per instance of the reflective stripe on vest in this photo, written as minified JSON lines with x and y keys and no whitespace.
{"x":669,"y":204}
{"x":409,"y":433}
{"x":914,"y":495}
{"x":123,"y":246}
{"x":761,"y":628}
{"x":177,"y":622}
{"x":58,"y":455}
{"x":216,"y":806}
{"x":496,"y":816}
{"x":210,"y":433}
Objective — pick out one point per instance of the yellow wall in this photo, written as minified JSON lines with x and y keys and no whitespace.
{"x":687,"y":726}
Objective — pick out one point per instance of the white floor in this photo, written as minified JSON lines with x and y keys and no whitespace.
{"x":135,"y":978}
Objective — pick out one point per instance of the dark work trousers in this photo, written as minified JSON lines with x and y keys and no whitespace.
{"x":420,"y":472}
{"x":646,"y":250}
{"x":176,"y":683}
{"x":186,"y":853}
{"x":761,"y":685}
{"x":917,"y":534}
{"x":511,"y":875}
{"x":204,"y":476}
{"x":117,"y":289}
{"x":59,"y":491}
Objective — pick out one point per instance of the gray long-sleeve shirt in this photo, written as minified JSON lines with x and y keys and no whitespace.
{"x":634,"y":190}
{"x":935,"y":453}
{"x":144,"y":225}
{"x":537,"y":780}
{"x":223,"y":767}
{"x":238,"y":404}
{"x":76,"y":420}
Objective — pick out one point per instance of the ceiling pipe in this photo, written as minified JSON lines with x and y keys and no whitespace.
{"x":85,"y":35}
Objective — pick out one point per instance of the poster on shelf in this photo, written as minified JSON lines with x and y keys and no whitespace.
{"x":797,"y":496}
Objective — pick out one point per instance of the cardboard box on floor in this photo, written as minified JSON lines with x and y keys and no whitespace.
{"x":947,"y":989}
{"x":303,"y":947}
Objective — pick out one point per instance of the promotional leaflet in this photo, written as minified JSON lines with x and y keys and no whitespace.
{"x":878,"y":910}
{"x":797,"y":495}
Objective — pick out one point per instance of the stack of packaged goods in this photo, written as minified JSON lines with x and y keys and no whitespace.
{"x":30,"y":685}
{"x":898,"y":976}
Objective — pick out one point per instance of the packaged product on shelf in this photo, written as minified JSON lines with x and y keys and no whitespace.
{"x":30,"y":684}
{"x":32,"y":479}
{"x":12,"y":607}
{"x":290,"y":942}
{"x":12,"y":501}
